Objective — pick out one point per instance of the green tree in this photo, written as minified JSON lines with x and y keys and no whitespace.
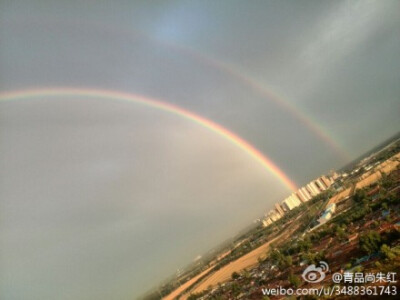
{"x":347,"y":266}
{"x":194,"y":296}
{"x":340,"y":233}
{"x":283,"y":261}
{"x":235,"y":289}
{"x":235,"y":275}
{"x":305,"y":245}
{"x":390,"y":253}
{"x":287,"y":261}
{"x":359,"y":195}
{"x":386,"y":181}
{"x":370,"y":242}
{"x":294,"y":280}
{"x":246,"y":274}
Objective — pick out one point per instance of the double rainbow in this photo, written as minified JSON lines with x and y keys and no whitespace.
{"x":225,"y":68}
{"x":164,"y":106}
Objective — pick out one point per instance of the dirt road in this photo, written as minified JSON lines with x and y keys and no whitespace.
{"x":246,"y":261}
{"x":185,"y":285}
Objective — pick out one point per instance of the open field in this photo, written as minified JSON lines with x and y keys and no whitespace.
{"x":251,"y":259}
{"x":357,"y":220}
{"x":368,"y":178}
{"x":185,"y":285}
{"x":342,"y":195}
{"x":385,"y":167}
{"x":246,"y":261}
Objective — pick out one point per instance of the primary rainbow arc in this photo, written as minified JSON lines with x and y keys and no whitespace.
{"x":228,"y":69}
{"x":157,"y":104}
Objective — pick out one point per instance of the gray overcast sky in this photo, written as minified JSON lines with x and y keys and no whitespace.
{"x":102,"y":199}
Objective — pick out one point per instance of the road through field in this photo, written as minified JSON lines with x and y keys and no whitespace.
{"x":223,"y":274}
{"x":246,"y":261}
{"x":185,"y":285}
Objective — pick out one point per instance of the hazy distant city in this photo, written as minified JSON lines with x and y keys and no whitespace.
{"x":347,"y":223}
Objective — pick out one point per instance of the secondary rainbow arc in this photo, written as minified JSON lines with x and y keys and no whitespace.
{"x":157,"y":104}
{"x":269,"y":94}
{"x":232,"y":71}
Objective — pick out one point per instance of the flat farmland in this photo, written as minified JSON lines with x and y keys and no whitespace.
{"x":248,"y":260}
{"x":185,"y":285}
{"x":223,"y":274}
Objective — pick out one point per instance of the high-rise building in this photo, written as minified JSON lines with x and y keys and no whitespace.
{"x":266,"y":222}
{"x":286,"y":206}
{"x":279,"y":209}
{"x":319,"y":185}
{"x":274,"y":215}
{"x":301,"y":196}
{"x":305,"y":193}
{"x":326,"y":180}
{"x":312,"y":190}
{"x":295,"y":199}
{"x":291,"y":202}
{"x":314,"y":187}
{"x":334,"y":175}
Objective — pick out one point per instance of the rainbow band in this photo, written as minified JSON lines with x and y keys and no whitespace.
{"x":167,"y":107}
{"x":267,"y":93}
{"x":230,"y":70}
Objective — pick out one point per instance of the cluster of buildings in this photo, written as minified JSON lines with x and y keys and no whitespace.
{"x":302,"y":195}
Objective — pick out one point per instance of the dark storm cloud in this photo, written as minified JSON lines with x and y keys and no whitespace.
{"x":104,"y":199}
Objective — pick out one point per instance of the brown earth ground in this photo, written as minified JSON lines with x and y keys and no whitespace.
{"x":251,"y":258}
{"x":185,"y":285}
{"x":368,"y":178}
{"x":246,"y":261}
{"x":225,"y":273}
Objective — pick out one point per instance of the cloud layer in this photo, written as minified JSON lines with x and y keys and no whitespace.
{"x":101,"y":200}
